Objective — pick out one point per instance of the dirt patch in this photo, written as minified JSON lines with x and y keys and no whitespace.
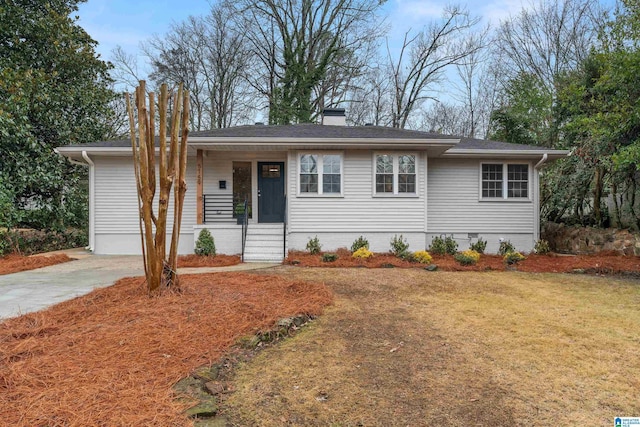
{"x":410,"y":347}
{"x":207,"y":261}
{"x":15,"y":263}
{"x":603,"y":263}
{"x":112,"y":356}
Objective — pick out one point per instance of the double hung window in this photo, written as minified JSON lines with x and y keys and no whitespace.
{"x":320,"y":173}
{"x":505,"y":181}
{"x":395,"y":174}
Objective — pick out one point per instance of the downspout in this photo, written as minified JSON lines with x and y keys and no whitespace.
{"x":92,"y":200}
{"x":542,"y":161}
{"x":536,"y":210}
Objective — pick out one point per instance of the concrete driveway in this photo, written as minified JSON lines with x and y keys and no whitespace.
{"x":34,"y":290}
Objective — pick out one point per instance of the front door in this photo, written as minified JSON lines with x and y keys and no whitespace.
{"x":270,"y":192}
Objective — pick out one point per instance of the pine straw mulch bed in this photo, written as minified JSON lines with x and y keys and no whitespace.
{"x":110,"y":358}
{"x":207,"y":261}
{"x":14,"y":263}
{"x":603,"y":263}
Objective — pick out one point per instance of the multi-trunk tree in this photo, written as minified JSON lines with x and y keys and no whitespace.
{"x":159,"y":177}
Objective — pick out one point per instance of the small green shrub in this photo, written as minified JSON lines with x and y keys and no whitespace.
{"x":329,"y":257}
{"x":479,"y":246}
{"x":314,"y":246}
{"x":399,"y":246}
{"x":511,"y":258}
{"x":362,"y":253}
{"x":360,"y":242}
{"x":205,"y":245}
{"x":28,"y":242}
{"x":468,"y":257}
{"x":443,"y":245}
{"x":423,"y":257}
{"x":505,"y":248}
{"x":437,"y":246}
{"x":542,"y":247}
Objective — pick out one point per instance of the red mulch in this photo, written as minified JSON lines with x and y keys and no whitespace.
{"x":207,"y":261}
{"x":603,"y":263}
{"x":110,"y":358}
{"x":14,"y":263}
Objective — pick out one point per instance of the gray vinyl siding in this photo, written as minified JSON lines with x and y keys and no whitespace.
{"x":116,"y":206}
{"x":453,"y":204}
{"x":358,"y":209}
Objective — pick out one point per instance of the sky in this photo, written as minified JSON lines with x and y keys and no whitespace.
{"x":128,"y":23}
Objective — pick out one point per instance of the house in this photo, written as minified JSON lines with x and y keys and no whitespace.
{"x":328,"y":180}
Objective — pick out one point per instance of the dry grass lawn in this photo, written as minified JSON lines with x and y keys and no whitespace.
{"x":409,"y":347}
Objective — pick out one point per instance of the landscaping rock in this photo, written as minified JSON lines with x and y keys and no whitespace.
{"x":190,"y":387}
{"x":215,"y":387}
{"x":206,"y":373}
{"x":589,"y":240}
{"x":204,"y":409}
{"x":431,"y":267}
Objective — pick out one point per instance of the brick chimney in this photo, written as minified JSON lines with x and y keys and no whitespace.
{"x":334,"y":117}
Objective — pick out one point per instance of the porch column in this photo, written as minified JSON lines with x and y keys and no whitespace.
{"x":199,"y":198}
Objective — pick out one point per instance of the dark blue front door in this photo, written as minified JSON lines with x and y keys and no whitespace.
{"x":270,"y":192}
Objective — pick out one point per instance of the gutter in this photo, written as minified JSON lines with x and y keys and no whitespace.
{"x":72,"y":161}
{"x":92,"y":200}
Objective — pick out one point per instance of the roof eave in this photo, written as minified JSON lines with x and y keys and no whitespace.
{"x":480,"y":153}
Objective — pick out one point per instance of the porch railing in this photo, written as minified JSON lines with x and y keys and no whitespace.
{"x":245,"y":227}
{"x":217,"y":207}
{"x":284,"y":229}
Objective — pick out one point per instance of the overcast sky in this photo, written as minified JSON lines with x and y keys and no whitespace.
{"x":127,"y":23}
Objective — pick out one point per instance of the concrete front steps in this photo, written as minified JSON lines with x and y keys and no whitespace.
{"x":264,"y":243}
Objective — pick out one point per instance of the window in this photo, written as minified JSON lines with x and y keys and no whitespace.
{"x":492,"y":180}
{"x":495,"y":186}
{"x":406,"y":174}
{"x":320,"y":174}
{"x":384,"y":174}
{"x":395,"y":174}
{"x":309,"y":173}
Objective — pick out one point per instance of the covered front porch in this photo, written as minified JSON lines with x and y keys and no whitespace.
{"x":241,"y":199}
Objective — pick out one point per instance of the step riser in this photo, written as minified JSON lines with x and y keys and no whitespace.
{"x":264,"y":243}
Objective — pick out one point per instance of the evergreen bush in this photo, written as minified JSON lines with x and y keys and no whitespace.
{"x":205,"y":245}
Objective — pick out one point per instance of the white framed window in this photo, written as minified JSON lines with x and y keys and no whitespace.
{"x":395,"y":174}
{"x":504,"y":181}
{"x":320,"y":173}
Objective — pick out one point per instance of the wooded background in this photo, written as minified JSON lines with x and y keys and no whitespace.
{"x":560,"y":74}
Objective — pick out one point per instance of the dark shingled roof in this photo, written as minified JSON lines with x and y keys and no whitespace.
{"x":334,"y":132}
{"x":317,"y":131}
{"x":483,"y":144}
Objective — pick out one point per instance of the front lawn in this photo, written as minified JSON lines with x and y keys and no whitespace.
{"x":410,"y":347}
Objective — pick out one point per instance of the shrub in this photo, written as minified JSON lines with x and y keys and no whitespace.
{"x":360,"y":242}
{"x":329,"y":257}
{"x":479,"y":246}
{"x":205,"y":245}
{"x":542,"y":247}
{"x":30,"y":242}
{"x":423,"y":257}
{"x":399,"y":246}
{"x":437,"y":246}
{"x":362,"y":253}
{"x":505,"y":248}
{"x":314,"y":246}
{"x":468,"y":257}
{"x":441,"y":246}
{"x":511,"y":258}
